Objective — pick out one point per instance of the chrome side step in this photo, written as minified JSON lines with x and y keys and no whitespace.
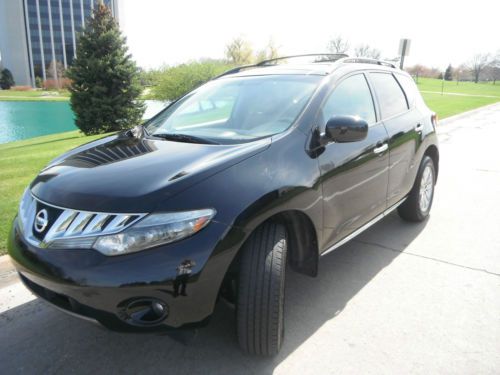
{"x":363,"y":228}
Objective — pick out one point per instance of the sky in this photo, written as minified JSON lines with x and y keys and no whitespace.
{"x":161,"y":32}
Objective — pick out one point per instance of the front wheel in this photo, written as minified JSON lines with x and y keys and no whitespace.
{"x":261,"y":291}
{"x":418,"y":204}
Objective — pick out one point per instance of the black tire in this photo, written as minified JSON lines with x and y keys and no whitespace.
{"x":261,"y":291}
{"x":411,"y":209}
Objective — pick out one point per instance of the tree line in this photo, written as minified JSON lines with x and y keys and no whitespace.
{"x":481,"y":67}
{"x":171,"y":82}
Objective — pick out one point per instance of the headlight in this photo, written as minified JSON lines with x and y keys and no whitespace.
{"x":154,"y":230}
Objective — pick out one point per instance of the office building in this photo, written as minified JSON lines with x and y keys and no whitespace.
{"x":36,"y":36}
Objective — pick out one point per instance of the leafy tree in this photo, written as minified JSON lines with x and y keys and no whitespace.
{"x":448,"y":74}
{"x":105,"y":81}
{"x":171,"y":83}
{"x":6,"y":79}
{"x":239,"y":51}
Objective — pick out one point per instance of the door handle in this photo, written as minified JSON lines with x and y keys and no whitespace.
{"x":419,"y":128}
{"x":380,"y":149}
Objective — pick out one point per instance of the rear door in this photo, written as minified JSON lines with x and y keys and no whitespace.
{"x":402,"y":124}
{"x":354,"y":175}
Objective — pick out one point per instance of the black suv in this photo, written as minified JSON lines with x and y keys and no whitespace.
{"x":272,"y":164}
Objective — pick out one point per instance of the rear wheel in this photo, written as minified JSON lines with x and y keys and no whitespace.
{"x":418,"y":204}
{"x":261,"y":291}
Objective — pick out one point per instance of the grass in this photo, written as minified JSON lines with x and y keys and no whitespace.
{"x":449,"y":105}
{"x":457,"y":98}
{"x":469,"y":88}
{"x":34,"y":95}
{"x":20,"y":161}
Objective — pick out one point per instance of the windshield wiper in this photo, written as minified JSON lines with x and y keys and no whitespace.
{"x":184,"y":138}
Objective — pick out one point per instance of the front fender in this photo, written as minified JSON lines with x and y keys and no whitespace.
{"x":280,"y":179}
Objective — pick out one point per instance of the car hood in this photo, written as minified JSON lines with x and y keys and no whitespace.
{"x":127,"y":174}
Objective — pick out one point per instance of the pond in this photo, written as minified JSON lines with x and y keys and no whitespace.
{"x":23,"y":120}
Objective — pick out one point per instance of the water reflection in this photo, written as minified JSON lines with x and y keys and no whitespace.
{"x":23,"y":120}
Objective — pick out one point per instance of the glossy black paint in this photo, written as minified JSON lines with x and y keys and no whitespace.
{"x":322,"y":192}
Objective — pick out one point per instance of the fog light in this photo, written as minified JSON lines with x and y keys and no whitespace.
{"x":143,"y":311}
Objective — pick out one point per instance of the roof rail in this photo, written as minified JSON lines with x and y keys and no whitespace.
{"x":365,"y":60}
{"x":322,"y":57}
{"x":235,"y":70}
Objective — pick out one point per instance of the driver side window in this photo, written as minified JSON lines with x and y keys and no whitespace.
{"x":352,"y":97}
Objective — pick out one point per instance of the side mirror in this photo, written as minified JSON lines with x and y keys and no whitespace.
{"x":342,"y":129}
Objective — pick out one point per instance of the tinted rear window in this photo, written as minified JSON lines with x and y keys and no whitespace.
{"x":409,"y":88}
{"x":390,"y":95}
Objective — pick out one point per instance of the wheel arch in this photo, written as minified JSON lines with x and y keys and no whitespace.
{"x":433,"y":152}
{"x":302,"y":239}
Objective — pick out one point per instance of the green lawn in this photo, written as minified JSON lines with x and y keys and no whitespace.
{"x":34,"y":95}
{"x":457,"y":98}
{"x":470,"y":88}
{"x":20,"y":161}
{"x":449,"y":105}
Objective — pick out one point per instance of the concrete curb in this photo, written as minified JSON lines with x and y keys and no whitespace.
{"x":8,"y":274}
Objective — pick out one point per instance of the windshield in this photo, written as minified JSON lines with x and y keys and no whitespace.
{"x":237,"y":110}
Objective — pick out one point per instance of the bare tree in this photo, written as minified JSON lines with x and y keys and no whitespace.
{"x":55,"y":72}
{"x":364,"y":50}
{"x":338,"y":45}
{"x":492,"y":71}
{"x":462,"y":73}
{"x":239,"y":51}
{"x":477,"y":64}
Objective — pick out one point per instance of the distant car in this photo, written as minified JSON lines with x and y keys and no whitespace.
{"x":269,"y":164}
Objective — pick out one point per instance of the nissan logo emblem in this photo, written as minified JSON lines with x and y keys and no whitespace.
{"x":41,"y":220}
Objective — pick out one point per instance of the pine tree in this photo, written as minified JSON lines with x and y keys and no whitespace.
{"x":105,"y":80}
{"x":6,"y":79}
{"x":448,"y":74}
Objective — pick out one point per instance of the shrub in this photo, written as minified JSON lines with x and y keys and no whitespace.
{"x":171,"y":83}
{"x":21,"y":88}
{"x":6,"y":79}
{"x":52,"y":84}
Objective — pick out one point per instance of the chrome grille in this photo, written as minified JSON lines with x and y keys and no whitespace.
{"x":71,"y":228}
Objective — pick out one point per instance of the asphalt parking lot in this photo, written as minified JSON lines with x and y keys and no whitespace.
{"x":401,"y":298}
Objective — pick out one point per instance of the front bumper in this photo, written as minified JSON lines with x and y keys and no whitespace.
{"x":86,"y":283}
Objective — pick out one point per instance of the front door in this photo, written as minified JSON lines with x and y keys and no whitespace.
{"x":354,"y":175}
